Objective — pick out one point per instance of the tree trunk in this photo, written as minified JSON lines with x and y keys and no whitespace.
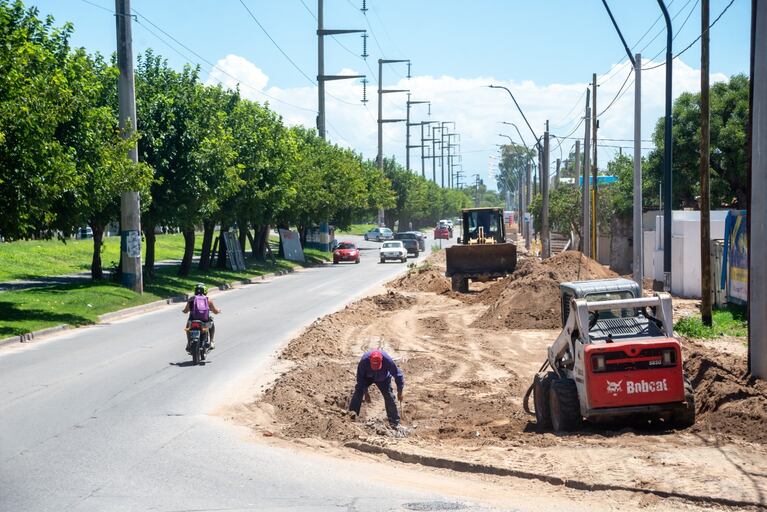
{"x":209,"y":227}
{"x":280,"y":251}
{"x":150,"y":239}
{"x":262,"y":239}
{"x":243,"y":236}
{"x":98,"y":239}
{"x":254,"y":242}
{"x":186,"y":262}
{"x":302,"y":235}
{"x":221,"y":263}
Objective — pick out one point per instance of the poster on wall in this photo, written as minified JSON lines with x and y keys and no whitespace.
{"x":736,"y":253}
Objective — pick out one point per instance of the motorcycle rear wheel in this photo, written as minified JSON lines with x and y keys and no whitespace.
{"x":196,"y":352}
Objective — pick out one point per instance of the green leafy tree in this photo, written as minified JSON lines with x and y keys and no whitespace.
{"x":729,"y":115}
{"x":36,"y":100}
{"x":564,"y":210}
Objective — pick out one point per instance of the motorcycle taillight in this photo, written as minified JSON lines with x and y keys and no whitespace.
{"x":196,"y":325}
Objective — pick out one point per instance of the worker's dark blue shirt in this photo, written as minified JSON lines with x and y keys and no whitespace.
{"x":388,"y":369}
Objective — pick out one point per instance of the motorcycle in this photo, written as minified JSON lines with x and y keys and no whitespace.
{"x":198,"y":333}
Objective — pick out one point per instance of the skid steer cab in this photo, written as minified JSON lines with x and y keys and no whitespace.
{"x":616,"y":356}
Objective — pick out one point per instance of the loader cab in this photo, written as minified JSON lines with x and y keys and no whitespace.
{"x":597,"y":290}
{"x":482,"y":225}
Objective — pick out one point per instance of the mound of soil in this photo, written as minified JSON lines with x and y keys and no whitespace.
{"x":529,"y":298}
{"x":728,"y":403}
{"x":392,"y":301}
{"x":423,"y":279}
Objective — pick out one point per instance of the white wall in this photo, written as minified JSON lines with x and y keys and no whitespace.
{"x":685,"y":249}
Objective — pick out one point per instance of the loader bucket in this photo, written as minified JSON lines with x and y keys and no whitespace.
{"x":485,"y":260}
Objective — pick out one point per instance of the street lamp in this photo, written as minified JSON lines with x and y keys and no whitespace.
{"x":520,"y":110}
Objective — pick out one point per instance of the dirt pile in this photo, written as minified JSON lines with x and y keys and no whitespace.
{"x":729,"y":404}
{"x":392,"y":301}
{"x":425,"y":278}
{"x":529,"y":298}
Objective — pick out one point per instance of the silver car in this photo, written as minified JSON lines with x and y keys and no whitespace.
{"x":379,"y":234}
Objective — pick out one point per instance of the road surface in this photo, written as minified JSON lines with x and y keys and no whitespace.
{"x":112,"y":417}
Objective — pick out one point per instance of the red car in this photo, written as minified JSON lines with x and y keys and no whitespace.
{"x":442,"y":232}
{"x":346,"y":251}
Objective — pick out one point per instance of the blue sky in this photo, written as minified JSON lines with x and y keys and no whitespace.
{"x":545,"y":51}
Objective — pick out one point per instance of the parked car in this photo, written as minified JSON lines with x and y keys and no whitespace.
{"x":346,"y":251}
{"x":379,"y":234}
{"x":393,"y":250}
{"x":410,"y":241}
{"x":85,"y":232}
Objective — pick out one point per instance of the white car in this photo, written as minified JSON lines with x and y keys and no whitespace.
{"x":379,"y":234}
{"x":393,"y":250}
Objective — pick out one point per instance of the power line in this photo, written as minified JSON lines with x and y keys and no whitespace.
{"x":696,"y":39}
{"x":215,"y":66}
{"x":662,"y":30}
{"x":679,"y":31}
{"x":311,"y":80}
{"x":618,"y":94}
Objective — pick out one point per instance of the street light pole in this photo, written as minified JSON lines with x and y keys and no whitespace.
{"x":667,"y":155}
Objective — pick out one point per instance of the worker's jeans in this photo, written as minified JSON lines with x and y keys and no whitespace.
{"x":388,"y":395}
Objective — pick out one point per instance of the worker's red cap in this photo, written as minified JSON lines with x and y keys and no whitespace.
{"x":376,"y":360}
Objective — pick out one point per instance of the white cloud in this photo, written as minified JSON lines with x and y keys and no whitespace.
{"x":476,"y":109}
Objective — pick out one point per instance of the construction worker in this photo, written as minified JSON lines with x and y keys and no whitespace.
{"x":377,"y":367}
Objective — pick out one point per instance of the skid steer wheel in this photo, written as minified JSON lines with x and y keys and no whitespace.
{"x":541,"y":390}
{"x":565,"y":408}
{"x":684,"y":416}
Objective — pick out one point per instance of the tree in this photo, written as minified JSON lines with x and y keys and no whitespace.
{"x":565,"y":210}
{"x":35,"y":101}
{"x":729,"y":115}
{"x":100,"y":154}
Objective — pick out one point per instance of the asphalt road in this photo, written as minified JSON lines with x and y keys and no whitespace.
{"x":112,"y":417}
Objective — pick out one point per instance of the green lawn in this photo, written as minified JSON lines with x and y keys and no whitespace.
{"x":30,"y":259}
{"x":81,"y":303}
{"x":731,"y":321}
{"x":355,"y":229}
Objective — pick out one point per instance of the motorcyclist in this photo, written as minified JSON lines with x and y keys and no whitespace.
{"x":199,"y":306}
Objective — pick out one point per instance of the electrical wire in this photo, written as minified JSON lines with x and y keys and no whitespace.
{"x":618,"y":94}
{"x":566,"y":116}
{"x":311,"y":13}
{"x":694,"y":40}
{"x":216,"y":66}
{"x":311,"y":80}
{"x":679,"y":31}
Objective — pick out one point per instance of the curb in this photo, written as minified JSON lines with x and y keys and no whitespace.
{"x":134,"y":310}
{"x":31,"y":336}
{"x":472,"y":467}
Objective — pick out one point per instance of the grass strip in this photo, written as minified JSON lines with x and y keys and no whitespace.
{"x":729,"y":321}
{"x":81,"y":303}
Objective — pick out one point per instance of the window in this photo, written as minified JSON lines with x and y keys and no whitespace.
{"x":612,"y":313}
{"x":345,"y":246}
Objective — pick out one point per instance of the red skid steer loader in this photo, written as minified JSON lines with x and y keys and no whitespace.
{"x":616,"y":356}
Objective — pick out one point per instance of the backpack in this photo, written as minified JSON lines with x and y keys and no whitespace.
{"x":200,"y":308}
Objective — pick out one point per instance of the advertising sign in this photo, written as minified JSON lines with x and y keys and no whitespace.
{"x":291,"y":245}
{"x":736,"y":255}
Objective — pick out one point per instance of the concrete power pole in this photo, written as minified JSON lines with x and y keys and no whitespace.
{"x":638,"y":232}
{"x":757,"y":216}
{"x":130,"y":206}
{"x":556,"y":176}
{"x":545,"y":238}
{"x":381,"y":92}
{"x":408,"y":124}
{"x":705,"y":139}
{"x":594,"y":127}
{"x":586,"y":227}
{"x":528,"y":198}
{"x":321,"y":76}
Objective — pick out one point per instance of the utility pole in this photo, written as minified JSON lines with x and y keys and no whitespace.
{"x":408,"y":124}
{"x":528,"y":198}
{"x":667,"y":155}
{"x":757,"y":215}
{"x":545,"y":239}
{"x":321,"y":76}
{"x":381,"y":92}
{"x":556,"y":176}
{"x":577,"y":159}
{"x":434,"y":141}
{"x":130,"y":206}
{"x":705,"y":139}
{"x":595,"y":125}
{"x":442,"y":135}
{"x":638,"y":233}
{"x":425,"y":146}
{"x":586,"y":227}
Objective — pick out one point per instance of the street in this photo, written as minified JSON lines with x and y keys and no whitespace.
{"x":111,"y":417}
